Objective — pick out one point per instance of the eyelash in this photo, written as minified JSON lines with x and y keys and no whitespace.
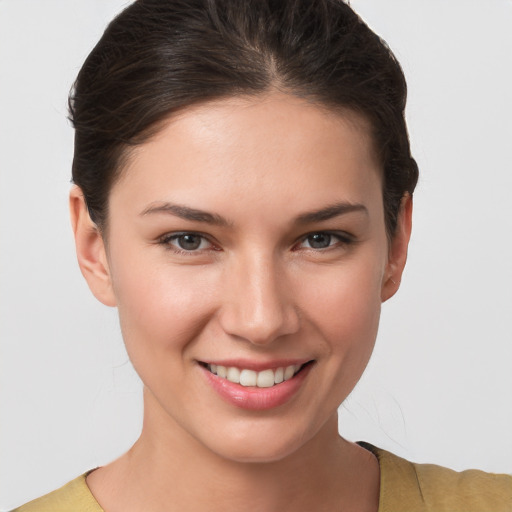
{"x":343,"y":240}
{"x":167,"y":240}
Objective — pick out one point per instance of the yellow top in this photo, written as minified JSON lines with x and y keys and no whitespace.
{"x":404,"y":487}
{"x":410,"y":487}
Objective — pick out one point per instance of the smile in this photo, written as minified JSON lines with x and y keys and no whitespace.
{"x":262,"y":379}
{"x":251,"y":385}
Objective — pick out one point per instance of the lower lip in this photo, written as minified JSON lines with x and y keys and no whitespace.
{"x":254,"y":398}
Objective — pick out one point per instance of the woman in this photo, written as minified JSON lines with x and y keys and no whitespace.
{"x":243,"y":197}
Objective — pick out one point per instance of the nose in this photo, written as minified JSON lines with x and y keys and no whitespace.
{"x":258,"y":305}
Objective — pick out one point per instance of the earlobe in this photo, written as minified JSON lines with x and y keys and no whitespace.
{"x":398,"y":250}
{"x":90,"y":249}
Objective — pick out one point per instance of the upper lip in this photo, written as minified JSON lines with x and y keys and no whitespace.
{"x":258,"y":366}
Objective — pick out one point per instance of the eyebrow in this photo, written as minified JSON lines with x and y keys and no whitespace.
{"x":186,"y":213}
{"x":196,"y":215}
{"x":329,"y":212}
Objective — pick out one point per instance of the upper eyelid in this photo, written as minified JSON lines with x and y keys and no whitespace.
{"x":342,"y":235}
{"x":176,"y":234}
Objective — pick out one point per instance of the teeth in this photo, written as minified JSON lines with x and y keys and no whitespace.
{"x":248,"y":378}
{"x":266,"y":379}
{"x":288,"y":372}
{"x":233,"y":375}
{"x":263,"y":379}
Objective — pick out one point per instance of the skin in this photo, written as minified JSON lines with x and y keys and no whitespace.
{"x":254,"y":289}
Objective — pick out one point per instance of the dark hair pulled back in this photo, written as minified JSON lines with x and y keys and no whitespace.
{"x":159,"y":56}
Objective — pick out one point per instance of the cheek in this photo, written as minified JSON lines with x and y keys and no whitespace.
{"x":344,"y":306}
{"x":161,"y":307}
{"x":162,"y":312}
{"x":341,"y":310}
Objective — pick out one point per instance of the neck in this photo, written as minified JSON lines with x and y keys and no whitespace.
{"x":167,"y":465}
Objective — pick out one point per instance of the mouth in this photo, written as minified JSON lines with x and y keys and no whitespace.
{"x":255,"y":386}
{"x":246,"y":377}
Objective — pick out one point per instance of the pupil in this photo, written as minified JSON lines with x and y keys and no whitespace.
{"x":319,"y":240}
{"x":189,"y":242}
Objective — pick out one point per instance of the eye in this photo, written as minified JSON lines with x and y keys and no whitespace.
{"x":318,"y":240}
{"x":186,"y":242}
{"x":324,"y":240}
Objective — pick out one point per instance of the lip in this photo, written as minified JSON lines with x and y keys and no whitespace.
{"x":254,"y":398}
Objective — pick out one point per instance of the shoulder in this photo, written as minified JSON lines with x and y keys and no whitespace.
{"x":74,"y":496}
{"x":410,"y":487}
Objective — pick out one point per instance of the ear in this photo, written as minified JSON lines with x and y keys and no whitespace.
{"x":90,"y":249}
{"x":398,"y":250}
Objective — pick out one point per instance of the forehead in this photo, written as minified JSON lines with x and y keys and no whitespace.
{"x":250,"y":148}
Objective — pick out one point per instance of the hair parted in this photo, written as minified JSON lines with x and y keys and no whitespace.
{"x":160,"y":56}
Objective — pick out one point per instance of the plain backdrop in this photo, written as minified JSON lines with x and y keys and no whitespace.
{"x":439,"y":386}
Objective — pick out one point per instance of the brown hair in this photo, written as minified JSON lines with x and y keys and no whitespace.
{"x":159,"y":56}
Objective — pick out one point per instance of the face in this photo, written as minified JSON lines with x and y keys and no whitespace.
{"x":246,"y":243}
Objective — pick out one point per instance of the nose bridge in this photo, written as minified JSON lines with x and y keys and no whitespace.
{"x":259,"y":308}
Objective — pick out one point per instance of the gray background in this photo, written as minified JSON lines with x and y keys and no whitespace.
{"x":439,"y":386}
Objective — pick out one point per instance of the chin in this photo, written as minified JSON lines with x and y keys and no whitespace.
{"x":258,"y":453}
{"x":259,"y":443}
